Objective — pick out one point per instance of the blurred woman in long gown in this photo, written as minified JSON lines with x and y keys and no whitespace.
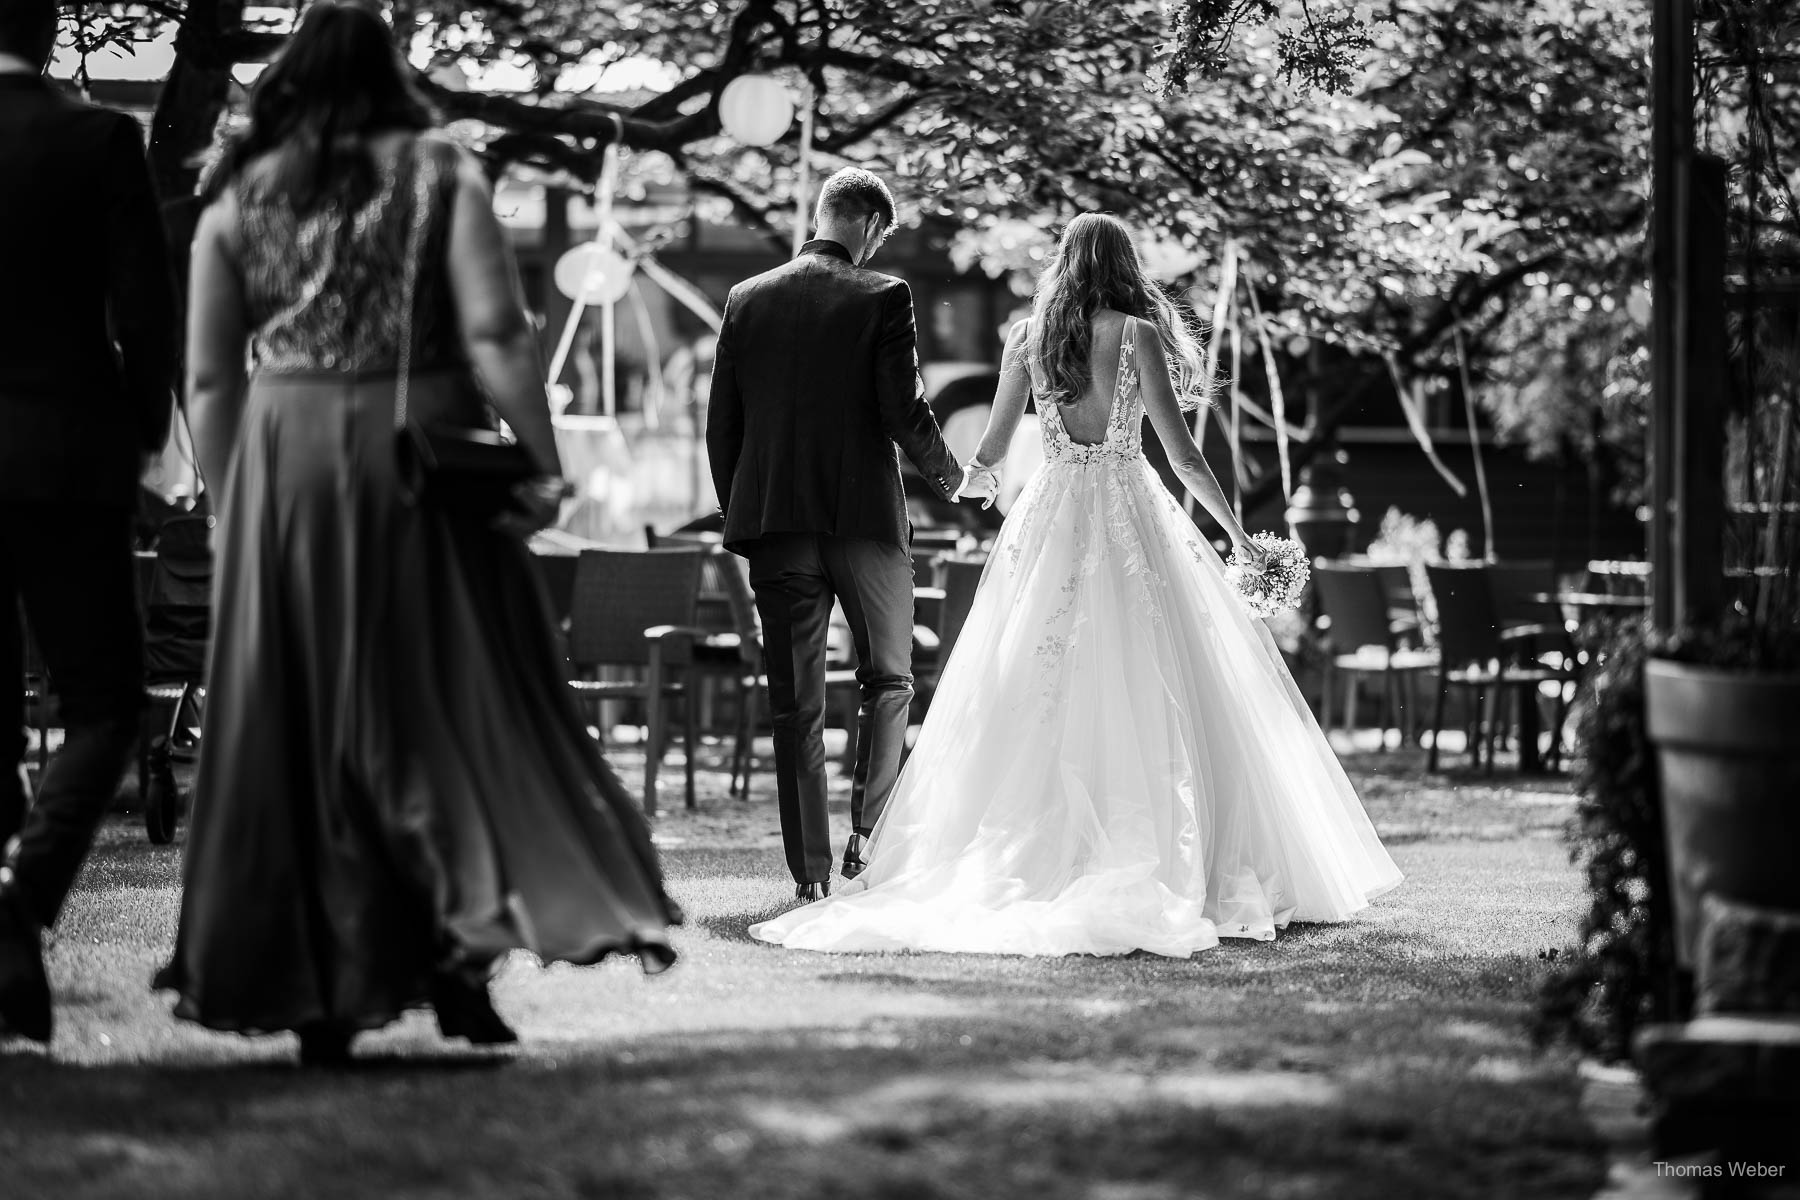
{"x":395,"y":788}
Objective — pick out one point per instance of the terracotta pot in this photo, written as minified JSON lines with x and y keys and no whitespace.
{"x":1728,"y":761}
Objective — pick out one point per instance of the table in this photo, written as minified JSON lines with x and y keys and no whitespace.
{"x":1591,"y":601}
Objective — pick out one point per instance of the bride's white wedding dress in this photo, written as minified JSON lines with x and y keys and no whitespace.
{"x":1116,"y":758}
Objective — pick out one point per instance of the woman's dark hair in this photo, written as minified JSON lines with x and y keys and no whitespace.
{"x":1097,"y":266}
{"x":339,"y":80}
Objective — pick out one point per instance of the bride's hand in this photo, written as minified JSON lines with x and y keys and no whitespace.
{"x":978,"y":482}
{"x":1253,"y":555}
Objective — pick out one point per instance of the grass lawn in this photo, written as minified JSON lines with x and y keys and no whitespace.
{"x":1382,"y":1058}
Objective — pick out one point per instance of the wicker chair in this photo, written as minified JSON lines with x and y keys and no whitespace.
{"x":635,"y":608}
{"x":840,"y":682}
{"x":177,"y":625}
{"x":39,"y":694}
{"x":1473,"y":654}
{"x":959,"y":578}
{"x":1364,"y":642}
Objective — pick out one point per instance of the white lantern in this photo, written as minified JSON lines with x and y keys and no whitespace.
{"x":593,"y":274}
{"x":756,"y":109}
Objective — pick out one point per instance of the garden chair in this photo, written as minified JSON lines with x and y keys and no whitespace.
{"x":177,"y":625}
{"x":1533,"y":628}
{"x":1363,"y":641}
{"x":635,"y":609}
{"x":1473,"y":655}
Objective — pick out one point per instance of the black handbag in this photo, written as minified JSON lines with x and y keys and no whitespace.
{"x":464,"y":470}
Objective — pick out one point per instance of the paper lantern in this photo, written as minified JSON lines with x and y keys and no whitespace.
{"x":593,"y":274}
{"x":756,"y":109}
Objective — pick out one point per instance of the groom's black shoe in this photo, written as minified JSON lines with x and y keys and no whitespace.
{"x":24,"y":988}
{"x":808,"y":892}
{"x":856,"y":856}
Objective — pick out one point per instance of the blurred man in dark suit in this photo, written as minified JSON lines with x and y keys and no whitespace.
{"x":88,"y":357}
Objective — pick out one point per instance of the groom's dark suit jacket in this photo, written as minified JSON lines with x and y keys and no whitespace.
{"x":815,"y":382}
{"x":88,"y":347}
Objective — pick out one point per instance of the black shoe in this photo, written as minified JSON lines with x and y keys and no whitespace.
{"x":808,"y":892}
{"x":856,"y":856}
{"x":325,"y":1044}
{"x":465,"y":1010}
{"x":24,"y":988}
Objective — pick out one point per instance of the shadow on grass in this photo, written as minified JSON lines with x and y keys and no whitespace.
{"x":735,"y":927}
{"x":1153,"y":1102}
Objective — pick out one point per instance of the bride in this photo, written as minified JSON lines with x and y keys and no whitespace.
{"x":1116,"y":758}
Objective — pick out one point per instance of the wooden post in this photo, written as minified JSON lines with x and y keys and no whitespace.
{"x":1671,"y":145}
{"x":1698,"y":563}
{"x":557,"y":240}
{"x":1688,"y":377}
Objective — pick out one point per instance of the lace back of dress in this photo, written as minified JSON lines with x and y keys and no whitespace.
{"x":324,"y":287}
{"x":1124,"y":431}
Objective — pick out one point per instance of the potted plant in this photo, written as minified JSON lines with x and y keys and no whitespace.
{"x":1723,"y":698}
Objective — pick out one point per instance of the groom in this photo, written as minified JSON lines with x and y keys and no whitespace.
{"x":815,"y":382}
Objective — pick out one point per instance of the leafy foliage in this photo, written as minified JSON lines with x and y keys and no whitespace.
{"x":1598,"y":995}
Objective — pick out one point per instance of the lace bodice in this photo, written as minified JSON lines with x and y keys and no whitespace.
{"x":324,"y":288}
{"x":1124,"y":440}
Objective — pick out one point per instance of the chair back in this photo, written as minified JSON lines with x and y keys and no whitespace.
{"x":929,"y":545}
{"x":178,"y":601}
{"x":734,"y":576}
{"x":960,"y":578}
{"x":1355,"y":600}
{"x":1514,"y":582}
{"x":714,"y":611}
{"x":620,"y":593}
{"x":1468,"y":624}
{"x":181,"y":578}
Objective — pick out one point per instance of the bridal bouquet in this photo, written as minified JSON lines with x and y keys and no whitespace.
{"x":1276,"y":585}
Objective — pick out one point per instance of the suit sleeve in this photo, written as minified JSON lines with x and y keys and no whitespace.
{"x":141,"y":288}
{"x":900,"y":391}
{"x":724,"y":413}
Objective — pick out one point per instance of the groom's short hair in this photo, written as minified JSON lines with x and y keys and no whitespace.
{"x":25,"y":25}
{"x":852,"y":192}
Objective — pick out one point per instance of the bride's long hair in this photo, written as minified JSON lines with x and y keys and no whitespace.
{"x":1097,"y":266}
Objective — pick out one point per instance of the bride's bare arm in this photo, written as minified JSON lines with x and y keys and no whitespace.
{"x":1172,"y":429}
{"x":1009,"y":400}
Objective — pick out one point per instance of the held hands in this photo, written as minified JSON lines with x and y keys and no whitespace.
{"x":540,"y":501}
{"x":978,"y":482}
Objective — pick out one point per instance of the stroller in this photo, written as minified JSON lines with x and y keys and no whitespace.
{"x":177,"y":620}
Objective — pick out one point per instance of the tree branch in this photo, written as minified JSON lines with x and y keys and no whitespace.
{"x":1479,"y":292}
{"x":589,"y":119}
{"x":837,"y":142}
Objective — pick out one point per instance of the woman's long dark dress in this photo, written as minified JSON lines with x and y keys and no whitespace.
{"x":393,"y":779}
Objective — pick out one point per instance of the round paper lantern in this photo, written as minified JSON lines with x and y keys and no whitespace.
{"x":756,"y":109}
{"x":593,"y":274}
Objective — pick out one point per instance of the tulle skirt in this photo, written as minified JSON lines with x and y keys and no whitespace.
{"x":394,"y":782}
{"x":1116,"y":758}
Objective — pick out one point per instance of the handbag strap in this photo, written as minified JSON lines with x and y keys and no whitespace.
{"x":415,"y":250}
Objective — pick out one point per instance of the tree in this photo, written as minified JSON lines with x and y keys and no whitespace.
{"x":1447,"y":184}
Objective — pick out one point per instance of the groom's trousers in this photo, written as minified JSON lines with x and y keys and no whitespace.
{"x":796,"y":577}
{"x":71,"y":566}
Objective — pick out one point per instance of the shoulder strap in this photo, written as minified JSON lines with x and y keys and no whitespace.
{"x":415,"y":249}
